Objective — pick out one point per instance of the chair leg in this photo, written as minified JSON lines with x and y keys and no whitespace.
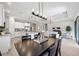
{"x":0,"y":54}
{"x":49,"y":54}
{"x":59,"y":52}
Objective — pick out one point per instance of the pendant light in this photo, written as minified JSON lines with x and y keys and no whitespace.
{"x":38,"y":15}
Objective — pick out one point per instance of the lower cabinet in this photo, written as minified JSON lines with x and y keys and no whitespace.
{"x":5,"y":43}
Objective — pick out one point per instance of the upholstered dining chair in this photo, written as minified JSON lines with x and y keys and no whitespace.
{"x":58,"y":51}
{"x":52,"y":50}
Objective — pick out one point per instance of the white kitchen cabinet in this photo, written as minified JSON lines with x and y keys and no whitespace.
{"x":5,"y":43}
{"x":1,"y":15}
{"x":19,"y":25}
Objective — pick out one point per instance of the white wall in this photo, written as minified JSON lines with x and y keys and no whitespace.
{"x":63,"y":25}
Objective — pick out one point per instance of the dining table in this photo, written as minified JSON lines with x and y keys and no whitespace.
{"x":32,"y":48}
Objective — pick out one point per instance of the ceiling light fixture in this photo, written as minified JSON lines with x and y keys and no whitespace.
{"x":33,"y":10}
{"x":37,"y":14}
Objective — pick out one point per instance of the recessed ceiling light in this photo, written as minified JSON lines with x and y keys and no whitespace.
{"x":9,"y":3}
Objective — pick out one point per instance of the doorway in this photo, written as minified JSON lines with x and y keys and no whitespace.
{"x":76,"y":27}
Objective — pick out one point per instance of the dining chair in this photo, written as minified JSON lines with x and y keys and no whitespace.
{"x":58,"y":51}
{"x":52,"y":50}
{"x":45,"y":53}
{"x":37,"y":36}
{"x":26,"y":37}
{"x":0,"y":53}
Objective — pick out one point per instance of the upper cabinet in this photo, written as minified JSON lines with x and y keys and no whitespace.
{"x":2,"y":17}
{"x":21,"y":25}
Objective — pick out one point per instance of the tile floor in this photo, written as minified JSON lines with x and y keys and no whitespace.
{"x":69,"y":48}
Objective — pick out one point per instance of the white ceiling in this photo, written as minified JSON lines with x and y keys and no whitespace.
{"x":53,"y":10}
{"x":71,"y":10}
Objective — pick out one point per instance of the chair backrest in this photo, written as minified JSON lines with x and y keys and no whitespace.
{"x":59,"y":31}
{"x":35,"y":36}
{"x":53,"y":49}
{"x":26,"y":37}
{"x":38,"y":33}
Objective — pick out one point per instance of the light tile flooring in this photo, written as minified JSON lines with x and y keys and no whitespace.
{"x":11,"y":52}
{"x":69,"y":48}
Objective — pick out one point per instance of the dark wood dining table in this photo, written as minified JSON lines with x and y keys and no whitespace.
{"x":32,"y":48}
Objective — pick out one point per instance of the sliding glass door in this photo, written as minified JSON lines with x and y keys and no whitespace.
{"x":76,"y":23}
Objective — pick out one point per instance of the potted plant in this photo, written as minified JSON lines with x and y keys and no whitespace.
{"x":68,"y":30}
{"x":1,"y":29}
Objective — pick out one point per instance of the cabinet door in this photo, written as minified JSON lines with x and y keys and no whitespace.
{"x":4,"y":43}
{"x":1,"y":16}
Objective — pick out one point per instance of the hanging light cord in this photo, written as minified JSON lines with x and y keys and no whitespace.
{"x":39,"y":7}
{"x":42,"y":8}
